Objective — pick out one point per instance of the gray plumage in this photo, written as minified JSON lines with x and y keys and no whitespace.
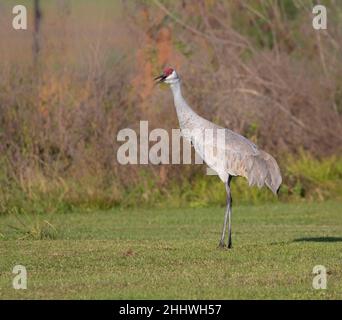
{"x":233,"y":154}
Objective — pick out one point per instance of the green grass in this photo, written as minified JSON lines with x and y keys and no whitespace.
{"x":160,"y":253}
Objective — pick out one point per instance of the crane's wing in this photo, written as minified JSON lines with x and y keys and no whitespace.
{"x":238,"y":156}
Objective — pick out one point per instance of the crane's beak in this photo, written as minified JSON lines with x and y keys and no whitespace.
{"x":160,"y":78}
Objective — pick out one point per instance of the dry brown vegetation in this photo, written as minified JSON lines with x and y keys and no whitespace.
{"x":257,"y":67}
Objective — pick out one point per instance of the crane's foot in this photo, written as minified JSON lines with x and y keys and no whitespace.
{"x":221,"y":245}
{"x":230,"y":246}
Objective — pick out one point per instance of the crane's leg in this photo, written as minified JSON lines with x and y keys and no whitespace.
{"x":229,"y":208}
{"x":221,"y":244}
{"x":227,"y":217}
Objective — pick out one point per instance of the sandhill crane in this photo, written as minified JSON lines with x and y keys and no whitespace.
{"x":241,"y":156}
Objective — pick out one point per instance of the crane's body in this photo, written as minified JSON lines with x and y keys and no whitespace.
{"x":226,"y":152}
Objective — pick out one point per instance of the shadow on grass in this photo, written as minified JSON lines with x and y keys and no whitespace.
{"x":319,"y":239}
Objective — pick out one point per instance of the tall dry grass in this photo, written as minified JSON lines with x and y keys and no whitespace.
{"x":257,"y":67}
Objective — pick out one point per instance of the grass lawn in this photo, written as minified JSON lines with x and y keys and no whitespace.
{"x":160,"y":253}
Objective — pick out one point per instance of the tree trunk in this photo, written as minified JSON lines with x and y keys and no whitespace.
{"x":36,"y":31}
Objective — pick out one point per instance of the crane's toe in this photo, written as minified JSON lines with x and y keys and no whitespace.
{"x":221,"y":245}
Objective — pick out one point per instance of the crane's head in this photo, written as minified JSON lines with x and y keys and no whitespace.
{"x":169,"y":76}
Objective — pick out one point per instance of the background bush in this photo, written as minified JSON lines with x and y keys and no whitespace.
{"x":257,"y":67}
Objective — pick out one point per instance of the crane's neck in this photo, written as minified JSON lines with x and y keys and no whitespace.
{"x":185,"y":114}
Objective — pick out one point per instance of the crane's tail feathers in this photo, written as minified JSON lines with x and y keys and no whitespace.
{"x":263,"y":169}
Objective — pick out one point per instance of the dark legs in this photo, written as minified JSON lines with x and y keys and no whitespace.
{"x":227,"y":217}
{"x":229,"y":206}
